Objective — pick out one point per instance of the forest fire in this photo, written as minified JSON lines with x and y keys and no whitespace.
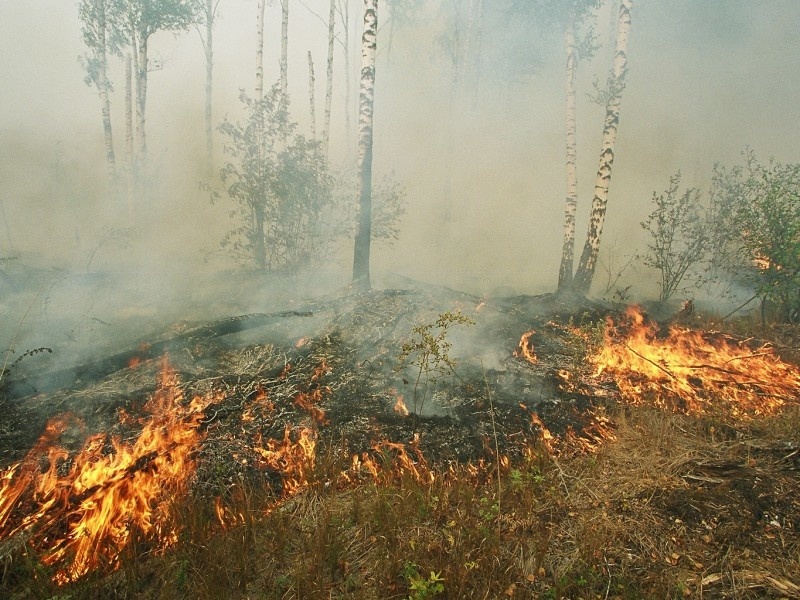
{"x":82,"y":512}
{"x":693,"y":372}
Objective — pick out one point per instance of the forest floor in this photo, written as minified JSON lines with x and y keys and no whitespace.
{"x":507,"y":477}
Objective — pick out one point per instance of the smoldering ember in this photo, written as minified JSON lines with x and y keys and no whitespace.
{"x":306,"y":299}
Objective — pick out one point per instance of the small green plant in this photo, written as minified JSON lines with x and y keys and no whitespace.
{"x":429,"y":351}
{"x":422,"y":587}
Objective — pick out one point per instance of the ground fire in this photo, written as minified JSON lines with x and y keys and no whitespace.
{"x":692,"y":371}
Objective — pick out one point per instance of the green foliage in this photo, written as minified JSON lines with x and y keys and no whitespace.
{"x":756,"y":212}
{"x":429,"y":352}
{"x":679,"y":235}
{"x":280,"y":185}
{"x":388,"y":207}
{"x":422,"y":587}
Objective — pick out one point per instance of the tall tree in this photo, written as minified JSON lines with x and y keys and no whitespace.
{"x":588,"y":261}
{"x":143,"y":18}
{"x":207,"y":39}
{"x":361,"y":252}
{"x":284,"y":64}
{"x":577,"y":11}
{"x":326,"y":125}
{"x":260,"y":49}
{"x":311,"y":96}
{"x":96,"y":32}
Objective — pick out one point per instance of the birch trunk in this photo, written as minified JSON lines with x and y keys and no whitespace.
{"x":344,"y":11}
{"x":103,"y":87}
{"x":285,"y":50}
{"x":591,"y":249}
{"x":326,"y":126}
{"x":129,"y":158}
{"x":571,"y":204}
{"x":260,"y":50}
{"x":366,"y":101}
{"x":209,"y":47}
{"x":141,"y":95}
{"x":311,"y":99}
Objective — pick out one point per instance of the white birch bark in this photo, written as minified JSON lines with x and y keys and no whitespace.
{"x":260,"y":50}
{"x":571,"y":204}
{"x":141,"y":95}
{"x":591,"y":249}
{"x":285,"y":50}
{"x":361,"y":255}
{"x":311,"y":100}
{"x":209,"y":48}
{"x":103,"y":87}
{"x":129,"y":157}
{"x":326,"y":126}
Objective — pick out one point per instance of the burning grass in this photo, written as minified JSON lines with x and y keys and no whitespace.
{"x":283,"y":493}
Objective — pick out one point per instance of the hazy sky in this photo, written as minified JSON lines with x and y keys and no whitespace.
{"x":484,"y":176}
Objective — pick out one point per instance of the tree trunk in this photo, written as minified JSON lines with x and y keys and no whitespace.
{"x":591,"y":249}
{"x":209,"y":47}
{"x":344,"y":11}
{"x":141,"y":97}
{"x":311,"y":99}
{"x":285,"y":50}
{"x":326,"y":126}
{"x":259,"y":250}
{"x":129,"y":158}
{"x":366,"y":100}
{"x":260,"y":50}
{"x":103,"y":88}
{"x":568,"y":250}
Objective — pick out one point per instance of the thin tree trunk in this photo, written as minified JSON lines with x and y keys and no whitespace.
{"x":129,"y":157}
{"x":260,"y":50}
{"x":568,"y":250}
{"x":591,"y":249}
{"x":326,"y":126}
{"x":344,"y":11}
{"x":259,"y":249}
{"x":141,"y":97}
{"x":361,"y":253}
{"x":311,"y":99}
{"x":285,"y":50}
{"x":103,"y":90}
{"x":209,"y":47}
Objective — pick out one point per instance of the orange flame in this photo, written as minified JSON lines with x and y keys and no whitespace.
{"x":293,"y":460}
{"x":112,"y":489}
{"x":400,"y":407}
{"x":691,"y":372}
{"x":525,"y":349}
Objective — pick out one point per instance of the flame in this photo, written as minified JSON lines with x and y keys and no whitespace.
{"x":84,"y":519}
{"x":293,"y":460}
{"x":692,"y":372}
{"x":525,"y":349}
{"x":400,"y":407}
{"x":314,"y":393}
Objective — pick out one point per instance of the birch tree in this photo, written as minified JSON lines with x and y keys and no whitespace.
{"x":284,"y":64}
{"x":96,"y":32}
{"x":143,"y":18}
{"x":259,"y":91}
{"x":209,"y":15}
{"x":326,"y":124}
{"x":577,"y":12}
{"x":588,"y":260}
{"x":361,"y":279}
{"x":311,"y":97}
